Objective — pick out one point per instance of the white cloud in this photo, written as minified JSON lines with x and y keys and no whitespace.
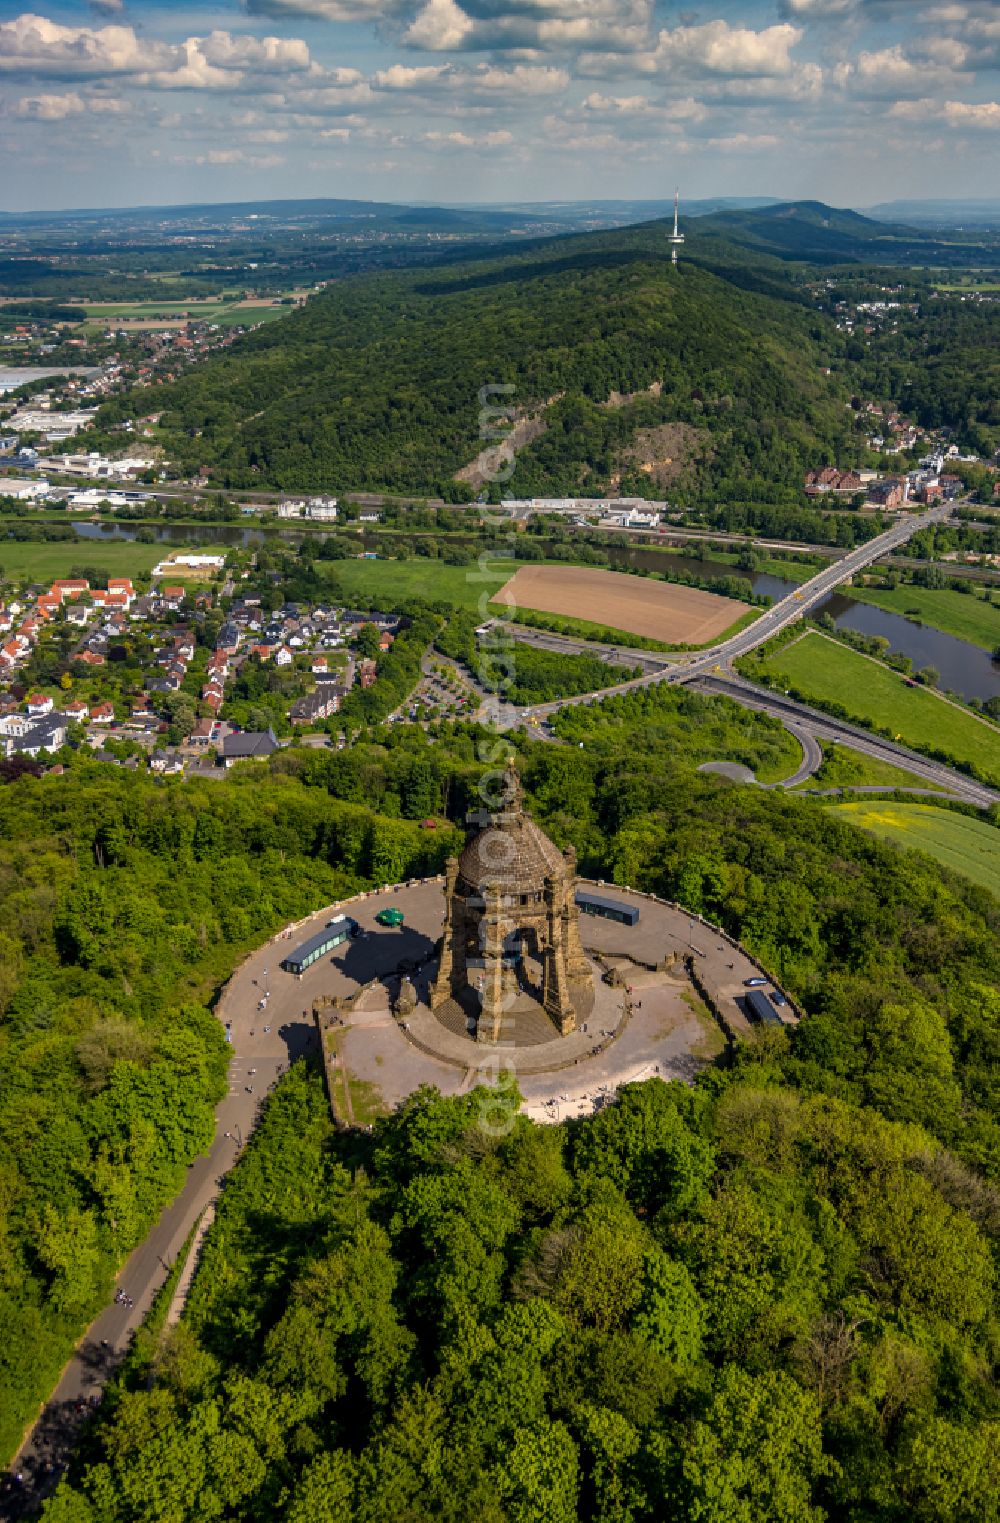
{"x":521,"y":80}
{"x":950,"y":113}
{"x":333,"y":100}
{"x":818,"y":7}
{"x":745,"y":142}
{"x":399,"y":77}
{"x":890,"y":73}
{"x":327,"y":10}
{"x":451,"y":139}
{"x":55,"y":108}
{"x":271,"y":54}
{"x":718,"y":48}
{"x":441,"y":26}
{"x":34,"y":45}
{"x":712,"y":50}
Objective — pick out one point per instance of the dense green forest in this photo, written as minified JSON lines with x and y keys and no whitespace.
{"x":529,"y":675}
{"x":942,"y":365}
{"x":125,"y":903}
{"x":376,"y":382}
{"x":771,"y":1296}
{"x":838,"y":1256}
{"x":811,"y":232}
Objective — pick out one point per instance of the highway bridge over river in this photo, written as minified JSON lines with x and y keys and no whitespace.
{"x":710,"y":670}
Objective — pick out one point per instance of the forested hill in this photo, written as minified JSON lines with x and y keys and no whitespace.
{"x":820,"y":234}
{"x":376,"y":382}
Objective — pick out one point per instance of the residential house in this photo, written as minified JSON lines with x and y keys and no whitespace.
{"x":39,"y":704}
{"x":47,"y":734}
{"x":102,"y":713}
{"x":69,"y":591}
{"x":254,"y":745}
{"x":203,"y":733}
{"x":166,"y":760}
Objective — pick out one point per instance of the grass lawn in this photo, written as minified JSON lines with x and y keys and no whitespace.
{"x":45,"y":560}
{"x":791,"y":571}
{"x":386,"y":581}
{"x":964,"y":615}
{"x":958,"y":841}
{"x":786,"y":761}
{"x":817,"y":667}
{"x":844,"y":768}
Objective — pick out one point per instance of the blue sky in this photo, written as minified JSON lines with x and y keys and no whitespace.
{"x":849,"y":101}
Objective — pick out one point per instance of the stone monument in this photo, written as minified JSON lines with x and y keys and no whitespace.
{"x":511,"y":906}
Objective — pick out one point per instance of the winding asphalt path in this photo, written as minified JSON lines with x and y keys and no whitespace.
{"x":824,"y":727}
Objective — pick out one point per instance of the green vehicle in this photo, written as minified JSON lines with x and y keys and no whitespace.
{"x":390,"y":916}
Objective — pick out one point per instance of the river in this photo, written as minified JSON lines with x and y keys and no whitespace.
{"x":965,"y":669}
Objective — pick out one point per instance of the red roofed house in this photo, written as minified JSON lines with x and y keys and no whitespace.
{"x":102,"y":713}
{"x":68,"y":591}
{"x":90,"y":658}
{"x":172,"y":596}
{"x":39,"y":704}
{"x":75,"y":709}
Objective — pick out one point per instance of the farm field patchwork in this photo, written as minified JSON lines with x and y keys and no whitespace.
{"x":966,"y":845}
{"x":820,"y":668}
{"x":149,"y":315}
{"x":657,"y":610}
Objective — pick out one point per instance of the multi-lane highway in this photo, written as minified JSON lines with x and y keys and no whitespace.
{"x":800,"y":719}
{"x":775,"y":619}
{"x":710,"y":671}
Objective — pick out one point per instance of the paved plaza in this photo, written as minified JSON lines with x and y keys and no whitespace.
{"x":653,"y":1020}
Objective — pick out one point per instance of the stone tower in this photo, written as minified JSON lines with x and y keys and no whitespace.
{"x":511,"y":899}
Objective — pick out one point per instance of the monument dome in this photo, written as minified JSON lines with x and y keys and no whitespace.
{"x":511,"y":906}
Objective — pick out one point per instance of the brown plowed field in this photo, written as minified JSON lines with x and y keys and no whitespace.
{"x":658,"y":610}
